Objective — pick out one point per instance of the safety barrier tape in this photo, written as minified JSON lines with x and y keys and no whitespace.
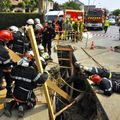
{"x":104,"y":35}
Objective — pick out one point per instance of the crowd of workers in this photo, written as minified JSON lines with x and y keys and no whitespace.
{"x":22,"y":77}
{"x":24,"y":73}
{"x":70,"y":29}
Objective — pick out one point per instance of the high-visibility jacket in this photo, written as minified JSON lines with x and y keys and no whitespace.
{"x":107,"y":23}
{"x":81,"y":27}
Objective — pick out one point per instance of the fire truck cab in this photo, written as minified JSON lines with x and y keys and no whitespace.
{"x":95,"y":18}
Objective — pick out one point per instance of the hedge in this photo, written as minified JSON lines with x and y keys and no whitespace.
{"x":17,"y":19}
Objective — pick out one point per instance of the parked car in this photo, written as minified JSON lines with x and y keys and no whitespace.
{"x":112,"y":21}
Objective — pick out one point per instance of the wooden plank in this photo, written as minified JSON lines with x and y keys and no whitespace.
{"x":13,"y":55}
{"x":54,"y":87}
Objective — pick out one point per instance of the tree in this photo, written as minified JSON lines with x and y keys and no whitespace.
{"x":29,"y":5}
{"x":5,"y":5}
{"x":56,"y":6}
{"x":116,"y":12}
{"x":71,"y":5}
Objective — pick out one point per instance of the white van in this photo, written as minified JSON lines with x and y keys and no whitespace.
{"x":53,"y":15}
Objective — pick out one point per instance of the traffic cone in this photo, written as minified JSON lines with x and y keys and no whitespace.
{"x":111,"y":48}
{"x":92,"y":45}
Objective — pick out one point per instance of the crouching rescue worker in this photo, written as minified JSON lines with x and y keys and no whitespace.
{"x":5,"y":61}
{"x":26,"y":79}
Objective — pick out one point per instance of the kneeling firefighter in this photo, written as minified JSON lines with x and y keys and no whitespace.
{"x":26,"y":79}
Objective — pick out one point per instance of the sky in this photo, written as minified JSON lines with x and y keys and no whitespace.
{"x":108,"y":4}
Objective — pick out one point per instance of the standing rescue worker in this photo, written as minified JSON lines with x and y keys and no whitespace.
{"x":20,"y":44}
{"x":26,"y":79}
{"x":67,"y":27}
{"x":38,"y":30}
{"x":5,"y":60}
{"x":47,"y":36}
{"x":106,"y":24}
{"x":80,"y":28}
{"x":75,"y":29}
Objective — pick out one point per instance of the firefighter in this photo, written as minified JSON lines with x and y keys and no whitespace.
{"x":106,"y":25}
{"x":42,"y":53}
{"x":5,"y":60}
{"x":20,"y":44}
{"x":74,"y":29}
{"x":107,"y":86}
{"x":26,"y":79}
{"x":80,"y":28}
{"x":104,"y":84}
{"x":67,"y":27}
{"x":30,"y":56}
{"x":47,"y":36}
{"x":103,"y":72}
{"x":38,"y":30}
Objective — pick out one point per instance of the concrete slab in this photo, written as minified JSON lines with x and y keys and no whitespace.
{"x":40,"y":112}
{"x":110,"y":60}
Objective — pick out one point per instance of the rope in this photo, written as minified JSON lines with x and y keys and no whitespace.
{"x":72,"y":87}
{"x":93,"y":58}
{"x":110,"y":75}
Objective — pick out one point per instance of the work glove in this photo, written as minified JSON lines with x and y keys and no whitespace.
{"x":44,"y":76}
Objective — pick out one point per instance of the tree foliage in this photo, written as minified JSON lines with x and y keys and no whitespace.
{"x":56,"y":6}
{"x":116,"y":12}
{"x":71,"y":5}
{"x":5,"y":5}
{"x":30,"y":5}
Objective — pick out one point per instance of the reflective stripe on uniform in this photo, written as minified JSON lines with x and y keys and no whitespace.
{"x":37,"y":77}
{"x":111,"y":86}
{"x":110,"y":75}
{"x":7,"y":61}
{"x":96,"y":69}
{"x":21,"y":78}
{"x":24,"y":89}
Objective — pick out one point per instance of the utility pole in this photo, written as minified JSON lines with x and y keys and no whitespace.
{"x":41,"y":6}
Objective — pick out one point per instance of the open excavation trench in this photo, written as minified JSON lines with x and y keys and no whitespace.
{"x":73,"y":80}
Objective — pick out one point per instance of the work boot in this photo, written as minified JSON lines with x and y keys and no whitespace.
{"x":7,"y":113}
{"x":20,"y":111}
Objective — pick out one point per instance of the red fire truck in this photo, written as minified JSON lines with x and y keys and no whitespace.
{"x":95,"y":18}
{"x":74,"y":14}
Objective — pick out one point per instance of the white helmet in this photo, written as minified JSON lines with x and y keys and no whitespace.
{"x":38,"y":27}
{"x":37,"y":21}
{"x":23,"y":62}
{"x":30,"y":22}
{"x":42,"y":59}
{"x":41,"y":49}
{"x":13,"y":29}
{"x":45,"y":56}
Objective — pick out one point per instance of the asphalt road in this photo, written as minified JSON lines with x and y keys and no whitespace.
{"x":111,"y":38}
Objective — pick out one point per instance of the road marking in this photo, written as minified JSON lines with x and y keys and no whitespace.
{"x":104,"y":35}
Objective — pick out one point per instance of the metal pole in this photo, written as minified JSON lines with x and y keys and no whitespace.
{"x":46,"y":6}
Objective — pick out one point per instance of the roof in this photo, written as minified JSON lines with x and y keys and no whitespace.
{"x":54,"y":13}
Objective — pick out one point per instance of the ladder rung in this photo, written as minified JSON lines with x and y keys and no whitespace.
{"x":65,"y":67}
{"x":64,"y":59}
